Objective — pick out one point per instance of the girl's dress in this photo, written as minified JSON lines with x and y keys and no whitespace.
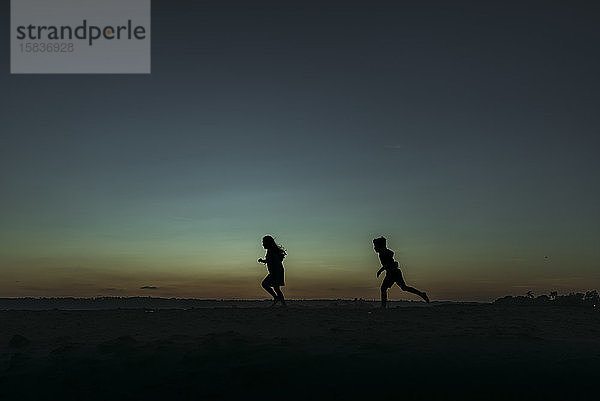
{"x":275,"y":267}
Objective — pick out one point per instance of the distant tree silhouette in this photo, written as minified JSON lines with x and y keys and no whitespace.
{"x":592,"y":298}
{"x":571,"y":299}
{"x":542,"y":299}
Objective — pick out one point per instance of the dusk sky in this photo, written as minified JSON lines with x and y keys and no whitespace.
{"x":467,"y":133}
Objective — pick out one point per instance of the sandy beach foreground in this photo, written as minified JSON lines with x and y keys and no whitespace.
{"x":301,"y":352}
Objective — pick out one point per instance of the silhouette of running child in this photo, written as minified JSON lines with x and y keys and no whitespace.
{"x":273,"y":259}
{"x":392,"y":272}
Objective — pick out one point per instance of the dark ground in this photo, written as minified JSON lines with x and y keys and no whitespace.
{"x":442,"y":352}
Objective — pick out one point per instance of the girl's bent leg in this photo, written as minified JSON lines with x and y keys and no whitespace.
{"x":268,"y":288}
{"x":279,"y":294}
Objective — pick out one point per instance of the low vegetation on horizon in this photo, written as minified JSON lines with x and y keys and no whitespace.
{"x":589,"y":298}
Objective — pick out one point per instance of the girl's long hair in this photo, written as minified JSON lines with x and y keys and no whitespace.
{"x":272,"y":245}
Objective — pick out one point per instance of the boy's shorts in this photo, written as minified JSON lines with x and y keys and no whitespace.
{"x":391,"y":277}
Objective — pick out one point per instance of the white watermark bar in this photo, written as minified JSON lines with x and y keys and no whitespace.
{"x":80,"y":37}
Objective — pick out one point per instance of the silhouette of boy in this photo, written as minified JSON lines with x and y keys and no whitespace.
{"x":392,"y":272}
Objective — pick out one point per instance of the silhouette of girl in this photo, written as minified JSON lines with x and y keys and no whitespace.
{"x":392,"y":272}
{"x":273,"y":259}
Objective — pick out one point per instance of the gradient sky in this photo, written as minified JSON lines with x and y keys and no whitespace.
{"x":466,"y":133}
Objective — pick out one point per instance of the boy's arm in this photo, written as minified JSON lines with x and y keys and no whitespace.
{"x":380,"y":270}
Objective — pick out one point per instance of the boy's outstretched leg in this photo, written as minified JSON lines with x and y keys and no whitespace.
{"x":407,"y":288}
